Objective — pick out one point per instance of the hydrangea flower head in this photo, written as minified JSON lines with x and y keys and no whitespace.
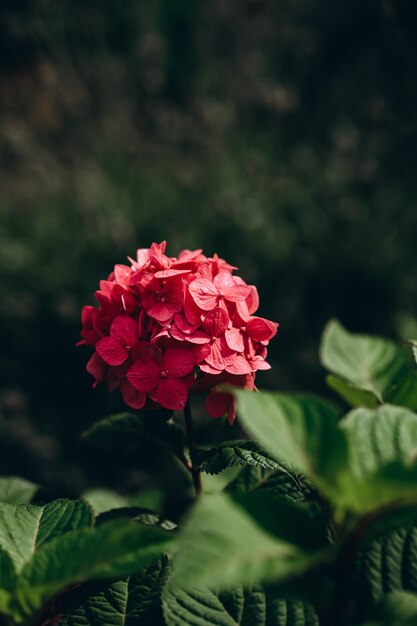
{"x":166,"y":327}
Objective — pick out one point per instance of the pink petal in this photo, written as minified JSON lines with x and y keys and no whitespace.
{"x":221,"y":355}
{"x":131,"y":396}
{"x":242,"y":310}
{"x":208,"y":369}
{"x":234,"y":339}
{"x":239,"y":365}
{"x":176,"y":333}
{"x":170,"y":273}
{"x":252,"y":300}
{"x":122,"y":274}
{"x":258,"y":363}
{"x":111,"y":351}
{"x":236,"y":293}
{"x":172,"y":393}
{"x":204,"y":293}
{"x":125,"y":329}
{"x":144,"y":375}
{"x":178,"y":362}
{"x":183,"y":324}
{"x":142,"y":256}
{"x":162,"y":312}
{"x":216,"y":322}
{"x":261,"y":329}
{"x":201,"y":352}
{"x":96,"y":367}
{"x":157,"y":256}
{"x":188,"y":255}
{"x":191,"y":310}
{"x":198,"y":337}
{"x":224,"y":280}
{"x":218,"y":403}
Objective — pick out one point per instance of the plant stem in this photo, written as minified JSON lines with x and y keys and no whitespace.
{"x":189,"y":429}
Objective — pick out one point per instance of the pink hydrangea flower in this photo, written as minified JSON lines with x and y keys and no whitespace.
{"x":166,"y":327}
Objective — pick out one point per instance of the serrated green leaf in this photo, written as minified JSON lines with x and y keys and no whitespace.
{"x":238,"y":607}
{"x":299,"y":430}
{"x":231,"y":453}
{"x":112,"y":550}
{"x":381,"y":445}
{"x":25,"y":527}
{"x":287,"y":485}
{"x":124,"y":432}
{"x":16,"y":490}
{"x":241,"y":538}
{"x":138,"y":514}
{"x":367,"y":363}
{"x":135,"y":600}
{"x":387,"y":559}
{"x":377,"y":438}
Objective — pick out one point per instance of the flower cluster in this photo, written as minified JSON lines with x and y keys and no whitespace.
{"x":166,"y":327}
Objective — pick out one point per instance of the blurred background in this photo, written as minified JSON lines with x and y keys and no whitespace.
{"x":280,"y":134}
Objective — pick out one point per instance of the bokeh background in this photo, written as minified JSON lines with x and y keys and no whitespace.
{"x":282,"y":134}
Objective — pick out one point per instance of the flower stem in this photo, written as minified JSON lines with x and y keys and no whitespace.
{"x":189,"y":429}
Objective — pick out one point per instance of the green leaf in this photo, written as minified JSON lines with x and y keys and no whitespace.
{"x":382,"y":446}
{"x":134,"y":600}
{"x":377,"y":438}
{"x":237,"y":539}
{"x":232,"y":453}
{"x":238,"y":607}
{"x":287,"y":485}
{"x":24,"y":528}
{"x":16,"y":490}
{"x":405,"y":394}
{"x":139,"y":514}
{"x":352,"y":395}
{"x":366,"y":363}
{"x":112,"y":550}
{"x":299,"y":430}
{"x":124,"y":432}
{"x":387,"y":559}
{"x":7,"y":580}
{"x":398,"y":608}
{"x":102,"y":500}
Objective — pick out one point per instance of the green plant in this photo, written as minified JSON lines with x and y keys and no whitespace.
{"x":312,"y":522}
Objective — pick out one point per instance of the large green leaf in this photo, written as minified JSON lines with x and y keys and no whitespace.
{"x":134,"y":600}
{"x":366,"y":363}
{"x":112,"y":550}
{"x":124,"y":432}
{"x":237,"y":539}
{"x":387,"y":559}
{"x":377,"y":438}
{"x":232,"y":453}
{"x":16,"y":490}
{"x":250,"y":606}
{"x":381,"y":446}
{"x":25,"y":528}
{"x":299,"y":430}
